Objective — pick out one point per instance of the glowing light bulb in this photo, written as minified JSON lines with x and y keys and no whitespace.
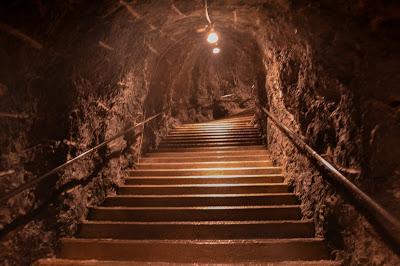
{"x":212,"y":37}
{"x":216,"y":50}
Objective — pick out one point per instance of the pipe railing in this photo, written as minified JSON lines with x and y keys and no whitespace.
{"x":388,"y":222}
{"x":36,"y":180}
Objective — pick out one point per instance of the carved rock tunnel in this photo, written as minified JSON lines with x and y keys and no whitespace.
{"x":73,"y":73}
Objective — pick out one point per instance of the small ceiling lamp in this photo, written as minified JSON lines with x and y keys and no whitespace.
{"x":216,"y":50}
{"x":212,"y":37}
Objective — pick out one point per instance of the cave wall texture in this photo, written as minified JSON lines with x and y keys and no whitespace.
{"x":73,"y":73}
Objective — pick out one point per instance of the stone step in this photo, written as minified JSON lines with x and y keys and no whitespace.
{"x":201,"y":200}
{"x":207,"y":171}
{"x":178,"y":180}
{"x":72,"y":262}
{"x":164,"y":145}
{"x":209,"y":213}
{"x":203,"y":189}
{"x":190,"y":153}
{"x":230,"y":124}
{"x":183,"y":165}
{"x":213,"y":149}
{"x":216,"y":126}
{"x":204,"y":158}
{"x":210,"y":140}
{"x":197,"y":230}
{"x":221,"y":122}
{"x":214,"y":136}
{"x":197,"y":251}
{"x":212,"y":131}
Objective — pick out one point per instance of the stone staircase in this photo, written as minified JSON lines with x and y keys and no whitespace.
{"x":210,"y":194}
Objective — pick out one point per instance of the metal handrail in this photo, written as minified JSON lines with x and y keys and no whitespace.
{"x":36,"y":180}
{"x":388,"y":222}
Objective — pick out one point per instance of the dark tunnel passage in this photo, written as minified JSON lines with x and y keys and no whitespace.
{"x":74,"y":73}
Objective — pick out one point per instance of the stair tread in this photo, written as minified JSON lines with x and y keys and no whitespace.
{"x":211,"y":162}
{"x":216,"y":136}
{"x":202,"y":176}
{"x":199,"y":208}
{"x":201,"y":153}
{"x":225,"y":148}
{"x":93,"y":262}
{"x":205,"y":169}
{"x":204,"y":195}
{"x":195,"y":241}
{"x":257,"y":222}
{"x":197,"y":251}
{"x":209,"y":185}
{"x":202,"y":165}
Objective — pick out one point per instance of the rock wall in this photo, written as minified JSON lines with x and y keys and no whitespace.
{"x":82,"y":87}
{"x":330,"y":79}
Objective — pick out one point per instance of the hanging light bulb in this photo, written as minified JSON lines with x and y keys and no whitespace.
{"x":212,"y":37}
{"x":216,"y":50}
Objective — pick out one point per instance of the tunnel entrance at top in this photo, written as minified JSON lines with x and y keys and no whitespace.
{"x":198,"y":85}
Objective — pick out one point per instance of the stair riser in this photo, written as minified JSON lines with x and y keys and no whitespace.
{"x":164,"y":145}
{"x":217,"y":128}
{"x":201,"y":201}
{"x":212,"y":132}
{"x":202,"y":153}
{"x":221,"y":126}
{"x":202,"y":190}
{"x":228,"y":121}
{"x":259,"y":214}
{"x":246,"y":118}
{"x":202,"y":165}
{"x":219,"y":122}
{"x":198,"y":231}
{"x":209,"y":137}
{"x":202,"y":172}
{"x":209,"y":144}
{"x":205,"y":180}
{"x":195,"y":253}
{"x":213,"y":135}
{"x":210,"y":140}
{"x":203,"y":159}
{"x":220,"y":149}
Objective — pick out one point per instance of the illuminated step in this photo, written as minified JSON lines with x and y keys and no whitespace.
{"x":197,"y":230}
{"x":224,"y":164}
{"x":208,"y":152}
{"x":203,"y":189}
{"x":197,"y":251}
{"x":202,"y":200}
{"x":217,"y":179}
{"x":204,"y":158}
